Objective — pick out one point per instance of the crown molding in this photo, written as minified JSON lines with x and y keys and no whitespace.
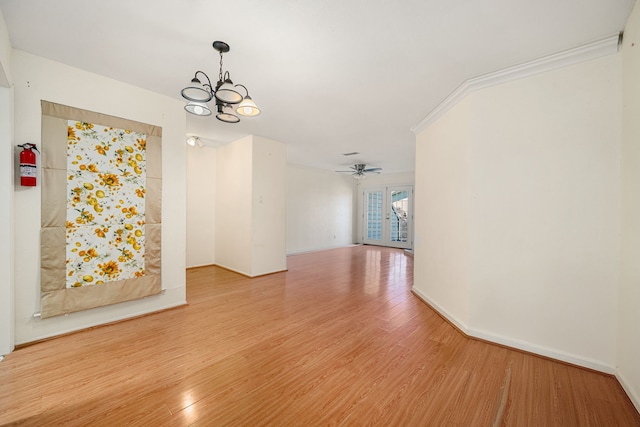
{"x":586,"y":52}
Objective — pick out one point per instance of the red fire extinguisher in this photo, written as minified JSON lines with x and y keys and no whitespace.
{"x":28,"y":165}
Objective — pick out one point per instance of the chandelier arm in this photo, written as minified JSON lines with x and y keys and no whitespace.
{"x":206,"y":77}
{"x":243,"y":86}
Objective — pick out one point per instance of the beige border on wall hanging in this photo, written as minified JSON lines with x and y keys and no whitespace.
{"x":122,"y":262}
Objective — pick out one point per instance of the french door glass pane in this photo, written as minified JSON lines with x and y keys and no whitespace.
{"x":399,"y":226}
{"x":374,"y":215}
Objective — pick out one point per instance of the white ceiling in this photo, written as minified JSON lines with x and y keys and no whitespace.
{"x":331,"y":76}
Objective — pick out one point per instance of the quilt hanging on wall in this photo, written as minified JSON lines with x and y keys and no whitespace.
{"x":101,"y":210}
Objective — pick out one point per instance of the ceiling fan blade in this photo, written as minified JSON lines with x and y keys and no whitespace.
{"x":360,"y":169}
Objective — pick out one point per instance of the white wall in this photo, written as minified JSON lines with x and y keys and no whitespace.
{"x":250,"y":220}
{"x":269,"y":199}
{"x":201,"y":204}
{"x":320,"y":209}
{"x":320,"y":206}
{"x":37,"y":78}
{"x":545,"y":165}
{"x":234,"y":179}
{"x":7,"y":323}
{"x":537,"y":231}
{"x":628,"y":337}
{"x":441,"y":216}
{"x":6,"y":79}
{"x":375,"y":181}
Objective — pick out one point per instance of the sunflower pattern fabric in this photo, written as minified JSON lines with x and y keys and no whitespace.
{"x":101,"y":210}
{"x":105,"y":204}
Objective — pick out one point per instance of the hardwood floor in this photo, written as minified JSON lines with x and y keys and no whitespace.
{"x":339,"y":339}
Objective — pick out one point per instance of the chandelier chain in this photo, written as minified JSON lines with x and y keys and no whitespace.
{"x":220,"y":76}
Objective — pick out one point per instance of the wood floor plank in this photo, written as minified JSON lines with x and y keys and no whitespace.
{"x":338,"y":339}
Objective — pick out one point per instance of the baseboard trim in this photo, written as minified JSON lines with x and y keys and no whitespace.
{"x":635,"y":399}
{"x":327,"y":248}
{"x":543,"y":351}
{"x":118,"y":319}
{"x":194,"y":267}
{"x":247,"y":275}
{"x":460,"y":326}
{"x":515,"y":344}
{"x":270,"y":273}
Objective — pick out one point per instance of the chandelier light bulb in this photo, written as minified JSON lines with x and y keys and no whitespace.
{"x":247,"y":107}
{"x":198,"y":108}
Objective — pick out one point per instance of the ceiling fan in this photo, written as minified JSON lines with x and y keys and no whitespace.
{"x":359,"y":170}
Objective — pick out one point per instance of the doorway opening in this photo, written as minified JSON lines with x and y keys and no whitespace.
{"x":388,"y":216}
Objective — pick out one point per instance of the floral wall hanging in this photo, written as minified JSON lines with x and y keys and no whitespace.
{"x":101,"y":199}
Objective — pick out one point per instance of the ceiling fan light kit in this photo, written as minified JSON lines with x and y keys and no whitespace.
{"x":225,"y":94}
{"x":359,"y":170}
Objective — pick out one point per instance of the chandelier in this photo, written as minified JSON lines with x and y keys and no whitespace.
{"x":226,"y":96}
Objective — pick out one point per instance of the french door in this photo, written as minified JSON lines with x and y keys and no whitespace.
{"x":388,"y":216}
